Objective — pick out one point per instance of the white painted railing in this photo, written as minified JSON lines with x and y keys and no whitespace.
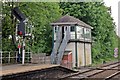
{"x":7,"y":56}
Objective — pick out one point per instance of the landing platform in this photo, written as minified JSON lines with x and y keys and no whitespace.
{"x":19,"y":68}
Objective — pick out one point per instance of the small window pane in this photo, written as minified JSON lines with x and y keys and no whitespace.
{"x":55,"y":29}
{"x":72,"y":29}
{"x":66,"y":28}
{"x":87,"y":33}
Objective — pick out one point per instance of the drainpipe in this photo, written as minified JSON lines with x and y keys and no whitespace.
{"x":84,"y":47}
{"x":52,"y":37}
{"x":76,"y":47}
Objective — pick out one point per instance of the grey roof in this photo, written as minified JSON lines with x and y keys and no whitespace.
{"x":70,"y":20}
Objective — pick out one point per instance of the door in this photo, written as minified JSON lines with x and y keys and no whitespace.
{"x":62,"y":32}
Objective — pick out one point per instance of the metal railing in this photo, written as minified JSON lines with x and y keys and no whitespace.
{"x":81,"y":38}
{"x":56,"y":46}
{"x":12,"y":56}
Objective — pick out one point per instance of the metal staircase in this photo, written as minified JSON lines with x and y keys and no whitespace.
{"x":63,"y":46}
{"x":56,"y":47}
{"x":59,"y":46}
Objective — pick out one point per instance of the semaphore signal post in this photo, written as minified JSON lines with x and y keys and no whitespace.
{"x":24,"y":30}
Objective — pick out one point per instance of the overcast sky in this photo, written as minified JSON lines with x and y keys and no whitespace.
{"x":114,"y":8}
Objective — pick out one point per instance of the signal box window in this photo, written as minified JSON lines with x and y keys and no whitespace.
{"x":55,"y":29}
{"x":72,"y":28}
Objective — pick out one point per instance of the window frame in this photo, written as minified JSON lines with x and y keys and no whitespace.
{"x":72,"y":29}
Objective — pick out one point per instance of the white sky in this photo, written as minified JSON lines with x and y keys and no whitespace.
{"x":114,"y":8}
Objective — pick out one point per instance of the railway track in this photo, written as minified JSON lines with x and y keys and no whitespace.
{"x":105,"y":72}
{"x":116,"y":75}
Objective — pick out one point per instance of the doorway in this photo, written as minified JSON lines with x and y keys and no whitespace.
{"x":62,"y":32}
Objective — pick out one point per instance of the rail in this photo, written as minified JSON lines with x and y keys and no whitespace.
{"x":111,"y":76}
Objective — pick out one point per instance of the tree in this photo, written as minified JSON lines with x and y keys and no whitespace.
{"x":8,"y":27}
{"x":40,"y":15}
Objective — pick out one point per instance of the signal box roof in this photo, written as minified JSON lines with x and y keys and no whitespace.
{"x":70,"y":20}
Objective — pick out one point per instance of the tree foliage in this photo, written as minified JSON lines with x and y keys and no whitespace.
{"x":7,"y":27}
{"x":40,"y":15}
{"x":119,"y":46}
